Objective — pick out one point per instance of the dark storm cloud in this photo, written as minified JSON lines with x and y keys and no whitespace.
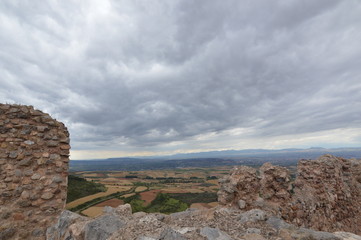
{"x":140,"y":73}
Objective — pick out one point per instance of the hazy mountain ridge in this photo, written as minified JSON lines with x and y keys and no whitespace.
{"x":253,"y":157}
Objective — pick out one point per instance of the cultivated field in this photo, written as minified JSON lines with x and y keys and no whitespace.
{"x":149,"y":196}
{"x":93,"y":211}
{"x":147,"y":184}
{"x":140,"y":189}
{"x":114,"y":202}
{"x":110,"y":190}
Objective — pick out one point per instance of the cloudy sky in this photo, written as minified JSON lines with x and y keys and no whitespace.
{"x":133,"y":78}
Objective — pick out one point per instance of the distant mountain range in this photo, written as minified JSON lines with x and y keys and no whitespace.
{"x":257,"y":152}
{"x":252,"y":157}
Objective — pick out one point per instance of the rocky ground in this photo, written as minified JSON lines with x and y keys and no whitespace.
{"x":213,"y":224}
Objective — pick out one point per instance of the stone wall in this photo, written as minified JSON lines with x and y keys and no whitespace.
{"x":326,"y":194}
{"x":34,"y":160}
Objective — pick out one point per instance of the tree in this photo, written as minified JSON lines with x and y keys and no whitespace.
{"x":173,"y":205}
{"x":137,"y":205}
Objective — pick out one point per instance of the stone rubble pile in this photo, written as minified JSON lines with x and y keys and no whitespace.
{"x":212,"y":224}
{"x":326,"y":194}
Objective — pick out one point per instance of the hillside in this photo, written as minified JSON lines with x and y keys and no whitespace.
{"x":79,"y":187}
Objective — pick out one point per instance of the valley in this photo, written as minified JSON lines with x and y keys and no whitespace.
{"x":187,"y":187}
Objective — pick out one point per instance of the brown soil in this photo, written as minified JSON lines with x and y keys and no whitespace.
{"x":149,"y":196}
{"x":204,"y":205}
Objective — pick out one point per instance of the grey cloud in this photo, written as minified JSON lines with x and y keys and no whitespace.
{"x":141,"y":74}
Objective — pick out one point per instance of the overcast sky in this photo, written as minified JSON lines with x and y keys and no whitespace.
{"x":132,"y":78}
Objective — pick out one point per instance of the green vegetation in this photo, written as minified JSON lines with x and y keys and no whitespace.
{"x":135,"y":202}
{"x":79,"y":187}
{"x":163,"y":203}
{"x":189,"y":198}
{"x":131,"y":176}
{"x":211,"y":177}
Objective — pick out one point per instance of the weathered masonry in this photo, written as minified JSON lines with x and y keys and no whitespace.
{"x":34,"y":160}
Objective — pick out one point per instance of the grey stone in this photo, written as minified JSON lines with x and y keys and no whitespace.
{"x":37,"y":233}
{"x":108,"y":210}
{"x":54,"y":157}
{"x":24,"y":203}
{"x":253,"y":215}
{"x":347,"y":236}
{"x":36,"y":176}
{"x":7,"y":233}
{"x":171,"y":234}
{"x":4,"y":130}
{"x":259,"y":202}
{"x":34,"y":197}
{"x":160,"y":216}
{"x":214,"y":234}
{"x":277,"y":223}
{"x":189,"y":212}
{"x":52,"y":143}
{"x":6,"y":194}
{"x":14,"y":110}
{"x":65,"y":140}
{"x":8,"y":179}
{"x":186,"y":230}
{"x":254,"y":230}
{"x":47,"y":195}
{"x":42,"y":128}
{"x":102,"y":227}
{"x":25,"y":162}
{"x":315,"y":235}
{"x":27,"y":130}
{"x":13,"y":154}
{"x":28,"y":142}
{"x":60,"y":229}
{"x":57,"y":179}
{"x":241,"y":204}
{"x":138,"y":214}
{"x":28,"y":172}
{"x":146,"y":238}
{"x":124,"y":210}
{"x":5,"y":215}
{"x":18,"y":173}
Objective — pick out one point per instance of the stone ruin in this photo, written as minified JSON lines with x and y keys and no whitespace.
{"x":325,"y":195}
{"x":34,"y":160}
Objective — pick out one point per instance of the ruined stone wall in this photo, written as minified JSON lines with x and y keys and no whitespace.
{"x":34,"y":158}
{"x":326,"y":195}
